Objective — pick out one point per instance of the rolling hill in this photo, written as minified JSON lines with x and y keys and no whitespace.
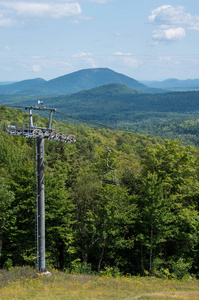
{"x":74,"y":82}
{"x":19,"y":87}
{"x":114,"y":101}
{"x":169,"y":115}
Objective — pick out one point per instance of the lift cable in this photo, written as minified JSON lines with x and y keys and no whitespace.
{"x":87,"y":122}
{"x":125,"y":156}
{"x":71,"y":117}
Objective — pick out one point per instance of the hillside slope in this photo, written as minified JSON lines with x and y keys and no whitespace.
{"x":119,"y":102}
{"x":119,"y":106}
{"x":19,"y":87}
{"x":115,"y":102}
{"x":74,"y":82}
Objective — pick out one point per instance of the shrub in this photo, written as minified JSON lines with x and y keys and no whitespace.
{"x":8,"y":264}
{"x":79,"y":267}
{"x":180,"y":268}
{"x":111,"y":272}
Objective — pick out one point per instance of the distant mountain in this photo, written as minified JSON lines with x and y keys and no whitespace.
{"x":119,"y":106}
{"x":109,"y":100}
{"x":19,"y":87}
{"x":74,"y":82}
{"x":115,"y":103}
{"x":6,"y":82}
{"x":174,"y":84}
{"x":92,"y":78}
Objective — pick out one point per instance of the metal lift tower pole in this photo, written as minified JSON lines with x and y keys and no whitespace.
{"x":40,"y":206}
{"x":41,"y":255}
{"x":40,"y":133}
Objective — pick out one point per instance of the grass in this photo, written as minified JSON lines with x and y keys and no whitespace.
{"x":24,"y":283}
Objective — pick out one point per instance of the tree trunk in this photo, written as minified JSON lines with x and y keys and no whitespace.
{"x":151,"y":252}
{"x":100,"y":260}
{"x":85,"y":255}
{"x":1,"y":242}
{"x":61,"y":256}
{"x":141,"y":260}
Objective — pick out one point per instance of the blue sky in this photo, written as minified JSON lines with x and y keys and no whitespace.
{"x":143,"y":39}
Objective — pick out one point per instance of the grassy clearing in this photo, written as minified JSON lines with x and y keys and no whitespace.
{"x":23,"y":283}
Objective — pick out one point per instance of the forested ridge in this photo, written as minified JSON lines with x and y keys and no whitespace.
{"x":72,"y":83}
{"x":146,"y":225}
{"x":173,"y":115}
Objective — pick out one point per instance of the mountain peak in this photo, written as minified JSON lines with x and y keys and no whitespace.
{"x":91,"y":78}
{"x":74,"y":82}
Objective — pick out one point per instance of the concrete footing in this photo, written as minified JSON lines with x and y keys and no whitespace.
{"x":45,"y":274}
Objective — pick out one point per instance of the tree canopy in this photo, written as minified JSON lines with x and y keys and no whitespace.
{"x":146,"y":225}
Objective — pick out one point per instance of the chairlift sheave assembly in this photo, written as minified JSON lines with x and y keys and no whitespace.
{"x":109,"y":173}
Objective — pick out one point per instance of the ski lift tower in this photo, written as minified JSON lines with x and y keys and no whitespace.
{"x":40,"y":134}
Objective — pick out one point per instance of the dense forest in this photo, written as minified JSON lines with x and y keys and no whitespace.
{"x":147,"y":225}
{"x":168,"y":115}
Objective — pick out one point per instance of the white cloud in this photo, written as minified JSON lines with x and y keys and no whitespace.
{"x":82,"y":54}
{"x":29,"y":65}
{"x":6,"y":21}
{"x":83,"y":59}
{"x":38,"y":9}
{"x":170,"y":15}
{"x":118,"y":53}
{"x":127,"y":59}
{"x":132,"y":62}
{"x":165,"y":58}
{"x":101,"y":1}
{"x":35,"y":57}
{"x":7,"y":48}
{"x":122,"y":54}
{"x":170,"y":34}
{"x":90,"y":61}
{"x":36,"y":68}
{"x":167,"y":61}
{"x":172,"y":23}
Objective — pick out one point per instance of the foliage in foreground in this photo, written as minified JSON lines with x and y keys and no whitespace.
{"x":147,"y":225}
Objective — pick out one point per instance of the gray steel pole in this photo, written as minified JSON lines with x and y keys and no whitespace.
{"x":50,"y":119}
{"x":31,"y":120}
{"x":41,"y":206}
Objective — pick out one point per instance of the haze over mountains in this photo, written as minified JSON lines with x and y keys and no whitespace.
{"x":91,"y":78}
{"x":74,"y":82}
{"x":104,"y":96}
{"x":101,"y":95}
{"x":174,"y":84}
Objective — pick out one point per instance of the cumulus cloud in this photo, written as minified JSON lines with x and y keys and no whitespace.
{"x":36,"y":9}
{"x":167,"y":14}
{"x":172,"y":23}
{"x":170,"y":34}
{"x":15,"y":11}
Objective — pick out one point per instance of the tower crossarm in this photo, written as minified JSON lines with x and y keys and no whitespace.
{"x":31,"y":131}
